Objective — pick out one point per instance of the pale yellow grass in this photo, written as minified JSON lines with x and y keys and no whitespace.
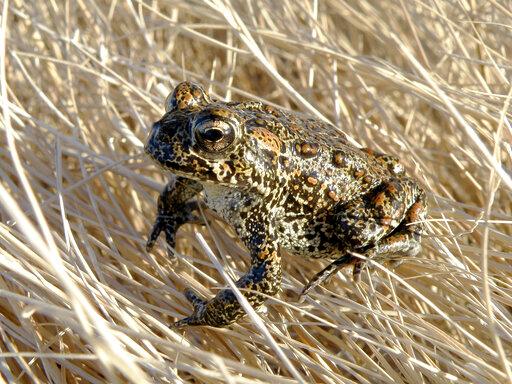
{"x":82,"y":81}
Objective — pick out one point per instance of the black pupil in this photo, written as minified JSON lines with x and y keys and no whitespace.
{"x":213,"y":135}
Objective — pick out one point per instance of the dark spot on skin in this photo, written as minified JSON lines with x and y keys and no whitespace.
{"x":308,"y":150}
{"x":310,"y":236}
{"x":271,"y":110}
{"x":391,"y":189}
{"x":339,"y":159}
{"x":379,"y":199}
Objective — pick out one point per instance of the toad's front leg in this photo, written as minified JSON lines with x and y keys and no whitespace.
{"x":174,"y":210}
{"x":263,"y":278}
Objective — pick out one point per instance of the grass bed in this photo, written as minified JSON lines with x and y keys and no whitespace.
{"x":81,"y":83}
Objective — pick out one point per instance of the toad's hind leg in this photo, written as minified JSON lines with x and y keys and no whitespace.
{"x":402,"y":241}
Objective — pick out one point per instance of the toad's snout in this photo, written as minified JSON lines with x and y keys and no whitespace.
{"x":165,"y":145}
{"x":149,"y":148}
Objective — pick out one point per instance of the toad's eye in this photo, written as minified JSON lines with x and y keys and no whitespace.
{"x":214,"y":135}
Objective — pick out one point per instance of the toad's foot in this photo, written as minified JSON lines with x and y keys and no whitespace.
{"x":168,"y":223}
{"x":263,"y":279}
{"x":223,"y":310}
{"x":174,"y":210}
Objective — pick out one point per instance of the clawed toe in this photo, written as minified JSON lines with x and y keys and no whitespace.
{"x":180,"y":323}
{"x":308,"y":287}
{"x":153,"y":235}
{"x":162,"y":225}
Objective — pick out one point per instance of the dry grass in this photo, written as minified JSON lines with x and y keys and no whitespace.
{"x":82,"y":80}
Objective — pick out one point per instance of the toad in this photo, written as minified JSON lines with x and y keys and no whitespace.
{"x":283,"y":181}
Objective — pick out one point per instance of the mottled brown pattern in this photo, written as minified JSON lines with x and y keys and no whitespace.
{"x":267,"y":139}
{"x":283,"y":181}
